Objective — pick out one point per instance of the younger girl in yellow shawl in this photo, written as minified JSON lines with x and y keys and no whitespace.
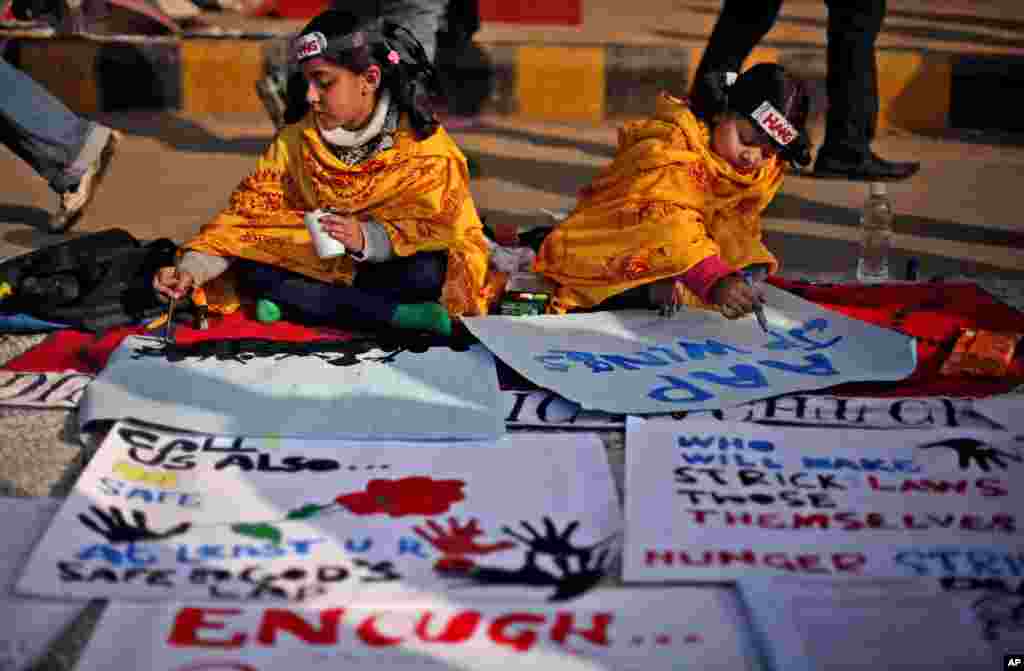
{"x":676,"y":218}
{"x":373,"y":154}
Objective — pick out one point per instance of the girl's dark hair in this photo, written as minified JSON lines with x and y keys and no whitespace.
{"x":412,"y":80}
{"x":764,"y":82}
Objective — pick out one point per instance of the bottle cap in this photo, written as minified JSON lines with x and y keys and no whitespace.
{"x":877,"y":188}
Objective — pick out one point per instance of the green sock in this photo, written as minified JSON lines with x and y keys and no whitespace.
{"x":423,"y":317}
{"x":267,"y":311}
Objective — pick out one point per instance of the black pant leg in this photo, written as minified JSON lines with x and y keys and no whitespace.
{"x":852,"y":79}
{"x":740,"y":26}
{"x":413,"y":279}
{"x":371,"y":300}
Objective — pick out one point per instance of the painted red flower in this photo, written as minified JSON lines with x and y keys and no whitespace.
{"x":416,"y":495}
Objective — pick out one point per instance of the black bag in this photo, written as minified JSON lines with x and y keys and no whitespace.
{"x":93,"y":282}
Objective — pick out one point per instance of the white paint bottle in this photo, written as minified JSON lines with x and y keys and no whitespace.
{"x":326,"y":246}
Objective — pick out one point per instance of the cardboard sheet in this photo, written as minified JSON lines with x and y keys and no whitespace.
{"x":709,"y":500}
{"x":27,"y":626}
{"x":436,"y":394}
{"x":160,"y":515}
{"x":902,"y":625}
{"x":615,"y":630}
{"x":637,"y":362}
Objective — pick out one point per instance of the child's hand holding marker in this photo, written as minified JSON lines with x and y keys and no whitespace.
{"x":735,"y":295}
{"x":758,"y":302}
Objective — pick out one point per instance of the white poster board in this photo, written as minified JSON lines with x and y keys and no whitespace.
{"x":1007,"y":410}
{"x":899,"y":625}
{"x":27,"y":626}
{"x":542,"y":408}
{"x":616,"y":629}
{"x":708,"y":500}
{"x":436,"y":394}
{"x":161,"y":515}
{"x":637,"y":362}
{"x":43,"y":390}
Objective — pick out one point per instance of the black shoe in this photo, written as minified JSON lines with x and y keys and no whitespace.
{"x":869,"y":168}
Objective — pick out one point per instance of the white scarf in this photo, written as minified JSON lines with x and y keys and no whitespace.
{"x":339,"y":137}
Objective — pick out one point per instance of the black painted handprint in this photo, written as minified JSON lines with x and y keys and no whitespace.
{"x":119,"y":530}
{"x":578,"y":567}
{"x":589,"y":571}
{"x":999,"y":613}
{"x":981,"y":452}
{"x":573,"y":580}
{"x":553,"y":543}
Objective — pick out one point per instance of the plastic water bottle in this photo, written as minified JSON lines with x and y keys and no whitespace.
{"x":876,"y":236}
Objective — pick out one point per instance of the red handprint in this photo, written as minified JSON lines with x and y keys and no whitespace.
{"x":457,"y":542}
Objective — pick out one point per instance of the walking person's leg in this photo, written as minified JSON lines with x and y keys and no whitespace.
{"x":69,"y":152}
{"x":852,"y":83}
{"x":740,"y":26}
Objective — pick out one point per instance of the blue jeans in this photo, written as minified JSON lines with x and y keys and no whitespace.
{"x":41,"y":130}
{"x":378,"y":288}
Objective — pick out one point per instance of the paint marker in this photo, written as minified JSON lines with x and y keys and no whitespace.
{"x":169,"y":329}
{"x":758,"y":307}
{"x":913,"y":269}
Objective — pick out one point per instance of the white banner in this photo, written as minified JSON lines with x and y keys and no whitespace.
{"x":27,"y":626}
{"x":637,"y":362}
{"x":1006,"y":410}
{"x":537,"y":408}
{"x":540,"y":408}
{"x":617,"y":629}
{"x":163,"y":515}
{"x":43,"y":390}
{"x":898,"y":625}
{"x":401,"y":395}
{"x":709,"y":500}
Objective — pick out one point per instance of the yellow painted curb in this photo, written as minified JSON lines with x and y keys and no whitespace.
{"x":219,"y":76}
{"x":914,"y":90}
{"x":691,"y":67}
{"x":67,"y":68}
{"x":763,"y":55}
{"x":561,"y":83}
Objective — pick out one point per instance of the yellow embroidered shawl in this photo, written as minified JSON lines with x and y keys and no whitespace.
{"x":664,"y":204}
{"x":418,"y":190}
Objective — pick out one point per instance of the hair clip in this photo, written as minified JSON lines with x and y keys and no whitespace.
{"x":730,"y":78}
{"x":393,"y":57}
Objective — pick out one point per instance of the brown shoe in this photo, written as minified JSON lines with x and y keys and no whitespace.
{"x":73,"y":203}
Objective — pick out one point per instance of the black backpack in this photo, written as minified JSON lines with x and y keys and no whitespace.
{"x":93,"y":282}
